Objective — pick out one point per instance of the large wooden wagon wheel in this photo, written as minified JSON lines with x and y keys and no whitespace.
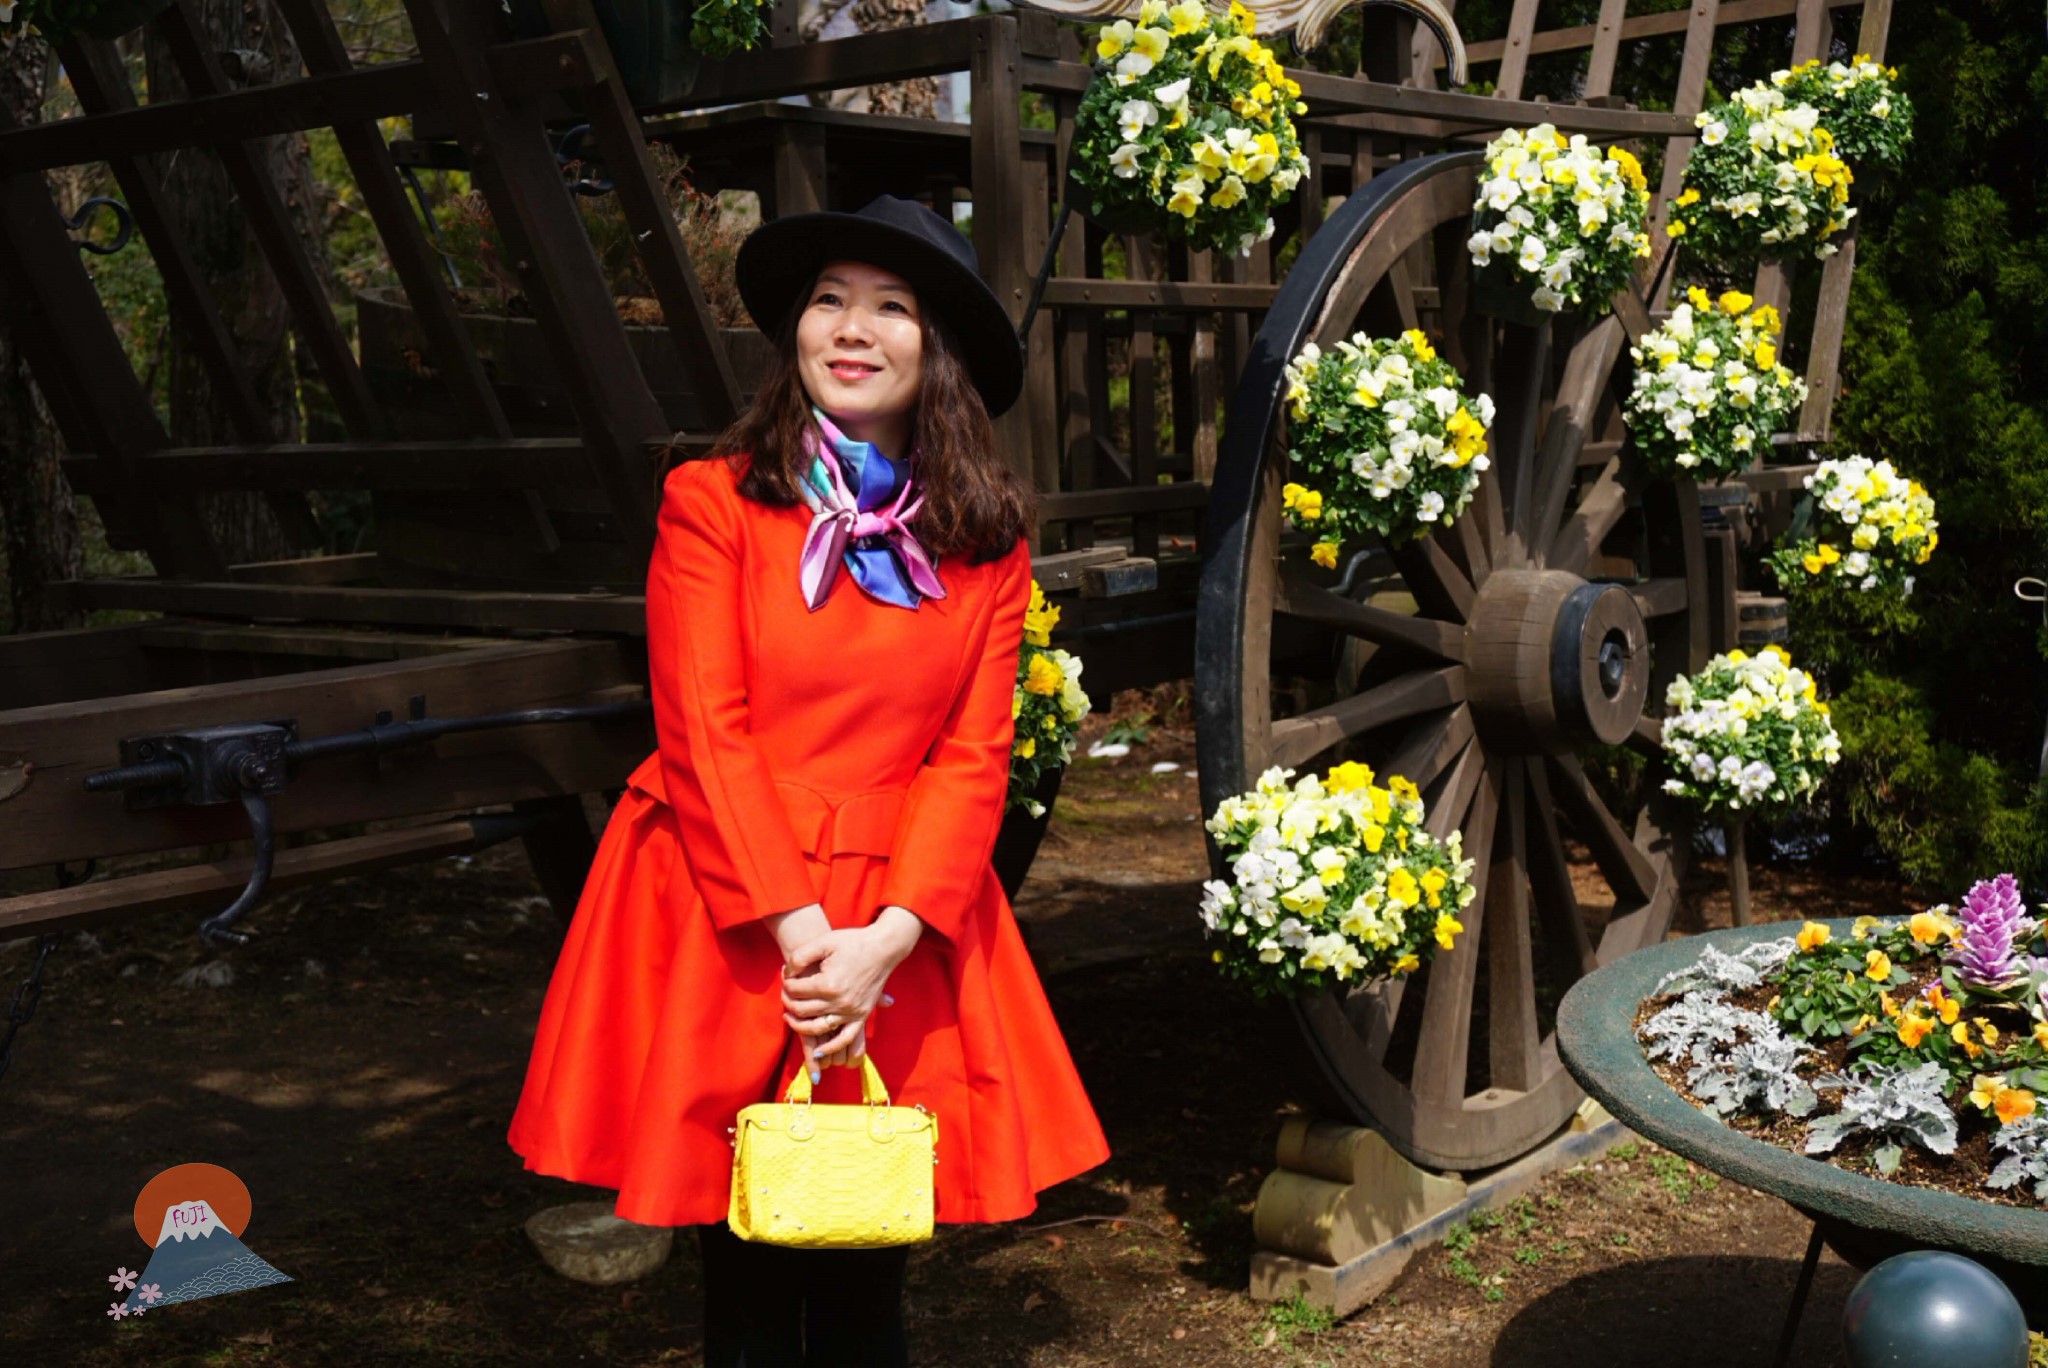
{"x":1488,"y":662}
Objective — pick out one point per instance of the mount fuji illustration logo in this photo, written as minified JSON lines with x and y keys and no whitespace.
{"x":198,"y":1212}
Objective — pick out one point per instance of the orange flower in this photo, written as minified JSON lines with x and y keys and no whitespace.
{"x":2012,"y":1104}
{"x":1812,"y":936}
{"x":1987,"y":1032}
{"x":1879,"y":968}
{"x":1884,"y":1000}
{"x":1961,"y":1036}
{"x":1929,"y":927}
{"x":1913,"y":1029}
{"x":1946,"y":1007}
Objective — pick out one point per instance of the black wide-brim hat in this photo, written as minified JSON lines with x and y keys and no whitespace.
{"x":781,"y":259}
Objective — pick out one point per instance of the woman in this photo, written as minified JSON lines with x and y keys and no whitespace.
{"x":834,"y":610}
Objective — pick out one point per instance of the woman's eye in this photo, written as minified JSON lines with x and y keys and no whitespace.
{"x":898,"y":305}
{"x":826,"y":297}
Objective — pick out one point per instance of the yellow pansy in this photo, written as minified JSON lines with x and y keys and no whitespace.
{"x":1929,"y":927}
{"x":1115,"y":38}
{"x":1348,"y":776}
{"x":1766,"y":356}
{"x":1812,"y":936}
{"x":1687,"y":198}
{"x":1698,"y":298}
{"x":1877,"y":966}
{"x":1433,"y":886}
{"x":1044,"y":676}
{"x":1374,"y":837}
{"x":1631,"y":169}
{"x":1945,"y":1007}
{"x":1324,"y":554}
{"x":1447,"y":927}
{"x":1417,"y":339}
{"x":1735,"y":302}
{"x":1028,"y":747}
{"x":1403,"y":889}
{"x":1403,"y":788}
{"x":1407,"y":964}
{"x":1150,"y":41}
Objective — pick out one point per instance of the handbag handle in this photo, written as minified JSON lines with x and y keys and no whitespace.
{"x":872,"y":1090}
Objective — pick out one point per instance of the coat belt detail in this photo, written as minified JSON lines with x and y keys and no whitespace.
{"x":860,"y":823}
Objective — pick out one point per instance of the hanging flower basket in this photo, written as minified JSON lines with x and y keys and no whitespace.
{"x":1863,"y":528}
{"x":1765,"y":183}
{"x":1186,"y":129}
{"x":1860,"y":103}
{"x":1558,"y":225}
{"x":1383,"y":440}
{"x":1333,"y":880}
{"x":1747,"y":734}
{"x":1709,"y":389}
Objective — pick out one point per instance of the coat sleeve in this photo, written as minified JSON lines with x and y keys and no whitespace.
{"x":738,"y":843}
{"x":954,"y":806}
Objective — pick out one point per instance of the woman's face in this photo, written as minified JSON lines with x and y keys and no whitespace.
{"x":860,"y":351}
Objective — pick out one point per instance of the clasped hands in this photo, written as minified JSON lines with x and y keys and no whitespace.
{"x":832,"y":980}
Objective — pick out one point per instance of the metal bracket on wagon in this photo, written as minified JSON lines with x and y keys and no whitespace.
{"x":1309,"y":19}
{"x":246,"y":762}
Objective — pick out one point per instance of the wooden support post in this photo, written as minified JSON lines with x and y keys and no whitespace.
{"x":998,"y":191}
{"x":1737,"y":832}
{"x":799,"y":178}
{"x":560,"y":850}
{"x":1691,"y":92}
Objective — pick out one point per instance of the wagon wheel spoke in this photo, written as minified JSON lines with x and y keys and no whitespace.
{"x":1606,"y":500}
{"x":1626,"y":868}
{"x":1521,"y":369}
{"x":1440,"y":587}
{"x":1442,"y":1049}
{"x":1661,"y":596}
{"x":1299,"y":597}
{"x":1515,"y":1043}
{"x":1427,"y":753}
{"x":1570,"y":421}
{"x":1550,"y":879}
{"x":1297,"y":739}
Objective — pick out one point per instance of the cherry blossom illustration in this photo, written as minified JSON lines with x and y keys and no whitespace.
{"x":151,"y":1293}
{"x":123,"y":1279}
{"x":116,"y":1310}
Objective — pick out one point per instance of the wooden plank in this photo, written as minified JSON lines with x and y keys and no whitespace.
{"x":514,"y":164}
{"x":55,"y":818}
{"x":1606,"y":47}
{"x":1137,"y":501}
{"x":1514,"y":60}
{"x":1171,"y":295}
{"x":501,"y":611}
{"x":997,"y":188}
{"x":504,"y":463}
{"x":1040,"y":399}
{"x":1059,"y":570}
{"x":57,"y":667}
{"x":211,"y":886}
{"x":866,"y":59}
{"x":1686,"y":100}
{"x":276,"y":233}
{"x":1642,"y":26}
{"x":114,"y":417}
{"x":353,"y":568}
{"x":656,"y":235}
{"x":375,"y":92}
{"x":330,"y":643}
{"x":1297,"y":739}
{"x":101,"y":84}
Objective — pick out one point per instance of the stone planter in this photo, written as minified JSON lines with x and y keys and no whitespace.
{"x":484,"y":538}
{"x":1865,"y":1220}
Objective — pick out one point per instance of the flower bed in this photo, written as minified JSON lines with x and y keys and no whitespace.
{"x":1914,"y":1049}
{"x":1384,"y":440}
{"x":1333,"y":880}
{"x":1186,"y":128}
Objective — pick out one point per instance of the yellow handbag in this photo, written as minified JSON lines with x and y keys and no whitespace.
{"x":833,"y":1176}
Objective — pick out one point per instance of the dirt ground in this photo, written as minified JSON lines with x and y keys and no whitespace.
{"x":359,"y":1067}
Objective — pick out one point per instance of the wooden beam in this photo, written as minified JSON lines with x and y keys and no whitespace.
{"x":212,"y":886}
{"x":1137,"y":500}
{"x":1193,"y":296}
{"x":499,"y":611}
{"x":868,"y":59}
{"x":506,"y":463}
{"x":1643,"y":26}
{"x":56,"y":818}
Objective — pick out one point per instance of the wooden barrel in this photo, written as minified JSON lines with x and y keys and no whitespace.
{"x":488,"y":538}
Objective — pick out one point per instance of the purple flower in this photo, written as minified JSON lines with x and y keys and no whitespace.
{"x":1994,"y":924}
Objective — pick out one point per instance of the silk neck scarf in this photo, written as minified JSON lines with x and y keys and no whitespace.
{"x":861,"y":504}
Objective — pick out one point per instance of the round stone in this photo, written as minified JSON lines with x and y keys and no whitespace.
{"x":1933,"y":1308}
{"x":586,"y":1242}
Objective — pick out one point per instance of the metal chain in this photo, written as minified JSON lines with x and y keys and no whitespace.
{"x":24,"y":1004}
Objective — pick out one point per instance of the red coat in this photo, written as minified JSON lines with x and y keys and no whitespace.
{"x":855,"y":756}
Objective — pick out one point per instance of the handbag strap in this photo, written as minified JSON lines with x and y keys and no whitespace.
{"x":872,"y":1090}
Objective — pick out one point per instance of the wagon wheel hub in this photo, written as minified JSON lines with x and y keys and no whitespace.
{"x":1556,"y":662}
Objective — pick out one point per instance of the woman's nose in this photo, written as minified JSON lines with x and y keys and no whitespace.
{"x":855,"y":325}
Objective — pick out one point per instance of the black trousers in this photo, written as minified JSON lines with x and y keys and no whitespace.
{"x":770,"y":1307}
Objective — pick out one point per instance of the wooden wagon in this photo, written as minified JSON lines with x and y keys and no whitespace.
{"x":319,"y":694}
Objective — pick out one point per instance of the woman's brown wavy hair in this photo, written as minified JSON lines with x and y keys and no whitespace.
{"x":974,"y":502}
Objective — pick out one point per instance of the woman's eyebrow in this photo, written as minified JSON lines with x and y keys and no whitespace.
{"x":891,"y":287}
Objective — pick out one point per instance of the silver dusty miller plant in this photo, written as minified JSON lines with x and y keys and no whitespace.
{"x":1891,"y":1103}
{"x":2026,"y":1144}
{"x":1761,"y":1070}
{"x":1691,"y":1027}
{"x":1727,"y":973}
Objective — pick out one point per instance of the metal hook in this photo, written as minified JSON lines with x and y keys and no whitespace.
{"x":124,"y":225}
{"x":2028,"y":589}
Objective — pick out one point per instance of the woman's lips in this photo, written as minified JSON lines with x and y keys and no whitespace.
{"x":852,"y":370}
